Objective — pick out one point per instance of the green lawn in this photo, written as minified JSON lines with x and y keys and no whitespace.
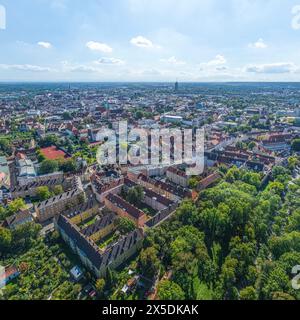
{"x":147,"y":209}
{"x":88,"y":222}
{"x":103,"y":243}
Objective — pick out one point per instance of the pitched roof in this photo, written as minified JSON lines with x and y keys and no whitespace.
{"x":206,"y":182}
{"x":99,"y":225}
{"x":123,"y":245}
{"x":58,"y":198}
{"x":126,"y":206}
{"x":18,"y":217}
{"x":36,"y":184}
{"x":163,"y":200}
{"x":92,"y":252}
{"x":88,"y":247}
{"x":177,"y":172}
{"x":178,"y":191}
{"x":76,"y":210}
{"x":149,"y":193}
{"x":10,"y":271}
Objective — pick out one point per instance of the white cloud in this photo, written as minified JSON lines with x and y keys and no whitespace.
{"x":69,"y":67}
{"x":149,"y":72}
{"x":219,"y":60}
{"x":221,"y":68}
{"x":296,"y":17}
{"x":98,"y":46}
{"x":259,"y":44}
{"x":272,"y":68}
{"x":139,"y":73}
{"x":25,"y":67}
{"x":84,"y":69}
{"x":142,"y":42}
{"x":46,"y":45}
{"x":110,"y":61}
{"x":215,"y":63}
{"x":173,"y":60}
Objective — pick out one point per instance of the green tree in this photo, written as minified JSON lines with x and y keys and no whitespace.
{"x":49,"y":141}
{"x":24,"y":236}
{"x":15,"y":206}
{"x":135,"y":195}
{"x":233,"y":174}
{"x":67,"y":116}
{"x":100,"y":285}
{"x":3,"y":213}
{"x":43,"y":193}
{"x":251,"y":145}
{"x":296,"y":145}
{"x":5,"y":146}
{"x":228,"y":278}
{"x":138,"y":115}
{"x":110,"y":279}
{"x":58,"y":190}
{"x":293,"y":162}
{"x":285,"y":243}
{"x":149,"y":263}
{"x":168,"y":290}
{"x":125,"y":225}
{"x":248,"y":293}
{"x":40,"y":156}
{"x":193,"y":182}
{"x":276,"y":187}
{"x":48,"y":166}
{"x":68,"y":165}
{"x":5,"y":239}
{"x":252,"y":178}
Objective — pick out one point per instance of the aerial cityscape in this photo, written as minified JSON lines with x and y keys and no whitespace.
{"x":157,"y":187}
{"x":72,"y":228}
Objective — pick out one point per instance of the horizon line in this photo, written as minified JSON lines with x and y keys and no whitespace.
{"x":145,"y":82}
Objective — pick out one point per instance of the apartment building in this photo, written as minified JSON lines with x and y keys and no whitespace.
{"x":125,"y":209}
{"x":178,"y":177}
{"x":101,"y":227}
{"x":95,"y":259}
{"x":79,"y":213}
{"x":54,"y":206}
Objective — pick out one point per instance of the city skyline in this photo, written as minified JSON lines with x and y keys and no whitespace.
{"x":157,"y":41}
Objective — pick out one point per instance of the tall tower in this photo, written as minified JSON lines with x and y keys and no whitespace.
{"x":176,"y":86}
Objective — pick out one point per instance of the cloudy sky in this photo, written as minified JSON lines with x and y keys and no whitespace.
{"x":150,"y":40}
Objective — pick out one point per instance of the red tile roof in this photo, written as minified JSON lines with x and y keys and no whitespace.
{"x":206,"y":182}
{"x":126,"y":206}
{"x":8,"y":273}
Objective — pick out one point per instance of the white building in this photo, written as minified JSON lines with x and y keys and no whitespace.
{"x":172,"y":119}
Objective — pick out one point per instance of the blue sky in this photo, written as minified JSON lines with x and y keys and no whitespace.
{"x":150,"y":40}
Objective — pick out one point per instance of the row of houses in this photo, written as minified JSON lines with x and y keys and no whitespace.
{"x":169,"y":191}
{"x":124,"y":209}
{"x":54,"y":206}
{"x":30,"y":189}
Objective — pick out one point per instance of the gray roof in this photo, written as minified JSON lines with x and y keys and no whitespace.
{"x":92,"y":252}
{"x":18,"y":217}
{"x":58,"y":198}
{"x":76,"y":210}
{"x":100,"y":224}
